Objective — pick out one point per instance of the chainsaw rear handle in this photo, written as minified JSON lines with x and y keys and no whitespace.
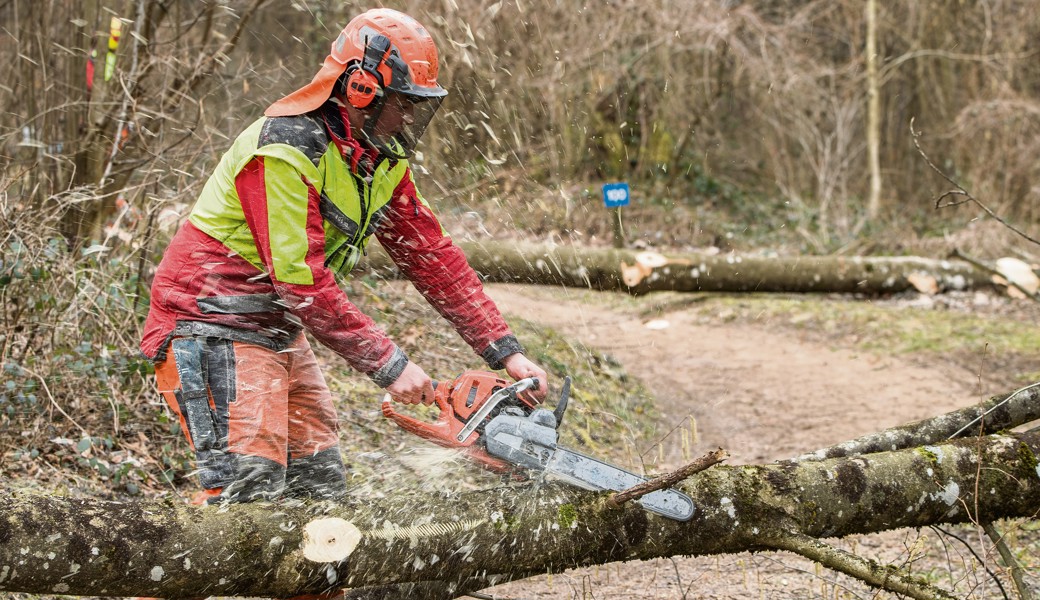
{"x":439,"y":431}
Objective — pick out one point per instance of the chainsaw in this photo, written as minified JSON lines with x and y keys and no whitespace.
{"x":502,"y":429}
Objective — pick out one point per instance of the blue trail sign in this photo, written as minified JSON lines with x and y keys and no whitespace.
{"x":615,"y":195}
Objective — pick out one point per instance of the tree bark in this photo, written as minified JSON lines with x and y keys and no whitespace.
{"x":999,"y":413}
{"x":53,"y":544}
{"x":873,"y":113}
{"x":643,"y":272}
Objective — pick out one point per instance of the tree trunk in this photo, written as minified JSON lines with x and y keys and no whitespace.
{"x":873,"y":114}
{"x":643,"y":272}
{"x":53,"y":544}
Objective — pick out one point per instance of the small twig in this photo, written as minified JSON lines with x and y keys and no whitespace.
{"x":678,"y":579}
{"x":1009,"y":560}
{"x":668,"y":479}
{"x":665,"y":436}
{"x":960,"y":191}
{"x":993,"y":408}
{"x":971,"y":550}
{"x":47,"y":390}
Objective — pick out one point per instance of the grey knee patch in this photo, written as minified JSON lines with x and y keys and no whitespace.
{"x":320,"y":475}
{"x":256,"y":478}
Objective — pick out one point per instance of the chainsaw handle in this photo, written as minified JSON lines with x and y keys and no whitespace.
{"x":435,"y":432}
{"x":442,"y":432}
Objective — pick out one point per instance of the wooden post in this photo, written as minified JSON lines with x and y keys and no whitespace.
{"x":616,"y":195}
{"x":619,"y":232}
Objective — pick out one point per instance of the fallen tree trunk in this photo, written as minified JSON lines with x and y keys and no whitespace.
{"x":643,"y":272}
{"x":51,"y":544}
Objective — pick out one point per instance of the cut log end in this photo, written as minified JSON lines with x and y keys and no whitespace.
{"x":645,"y":263}
{"x":329,"y":540}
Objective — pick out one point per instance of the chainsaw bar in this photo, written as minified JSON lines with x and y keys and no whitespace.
{"x":593,"y":474}
{"x":529,"y":441}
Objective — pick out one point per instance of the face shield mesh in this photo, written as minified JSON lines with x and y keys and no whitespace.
{"x":396,"y":126}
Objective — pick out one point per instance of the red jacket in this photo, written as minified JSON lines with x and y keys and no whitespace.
{"x":289,"y":226}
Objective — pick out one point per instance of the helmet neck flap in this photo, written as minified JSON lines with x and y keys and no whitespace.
{"x":397,"y":54}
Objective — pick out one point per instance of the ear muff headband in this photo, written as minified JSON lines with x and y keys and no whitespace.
{"x":365,"y":83}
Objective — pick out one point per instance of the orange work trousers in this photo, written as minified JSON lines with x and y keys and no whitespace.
{"x":261,"y":422}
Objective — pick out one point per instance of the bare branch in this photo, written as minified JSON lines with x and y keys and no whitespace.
{"x":998,"y":413}
{"x":1012,"y":563}
{"x":887,"y":577}
{"x":960,"y":191}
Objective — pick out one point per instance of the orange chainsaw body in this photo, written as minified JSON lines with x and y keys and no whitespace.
{"x":459,"y":402}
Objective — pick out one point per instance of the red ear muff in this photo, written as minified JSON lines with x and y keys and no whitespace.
{"x":362,"y":88}
{"x":365,"y":82}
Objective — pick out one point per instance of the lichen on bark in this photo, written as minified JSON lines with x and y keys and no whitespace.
{"x":167,"y":549}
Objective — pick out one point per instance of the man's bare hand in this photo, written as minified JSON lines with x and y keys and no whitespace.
{"x":412,"y":386}
{"x":519,"y":366}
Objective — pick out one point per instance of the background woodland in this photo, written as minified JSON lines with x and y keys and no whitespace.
{"x":740,"y":125}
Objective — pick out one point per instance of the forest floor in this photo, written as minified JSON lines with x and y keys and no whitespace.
{"x":734,"y":375}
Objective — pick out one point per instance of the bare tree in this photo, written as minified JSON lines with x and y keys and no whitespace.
{"x":105,"y":96}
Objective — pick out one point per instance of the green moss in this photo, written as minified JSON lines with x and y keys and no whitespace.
{"x":568,"y":515}
{"x":508,"y":523}
{"x":813,"y":511}
{"x":1026,"y":455}
{"x":928,"y":455}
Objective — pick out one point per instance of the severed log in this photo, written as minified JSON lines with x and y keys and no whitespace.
{"x":642,"y":272}
{"x":53,"y":544}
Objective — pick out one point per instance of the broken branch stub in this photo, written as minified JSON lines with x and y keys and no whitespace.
{"x":668,"y":479}
{"x":329,"y":539}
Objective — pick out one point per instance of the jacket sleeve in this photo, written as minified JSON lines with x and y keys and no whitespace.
{"x":281,"y":209}
{"x":414,"y":239}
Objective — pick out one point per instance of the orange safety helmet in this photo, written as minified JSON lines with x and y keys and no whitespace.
{"x":383,"y":52}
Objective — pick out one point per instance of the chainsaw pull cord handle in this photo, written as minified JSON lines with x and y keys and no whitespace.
{"x":441,"y":399}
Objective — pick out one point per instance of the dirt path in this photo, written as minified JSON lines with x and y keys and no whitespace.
{"x":761,"y":394}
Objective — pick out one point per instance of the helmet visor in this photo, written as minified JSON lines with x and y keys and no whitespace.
{"x":400,"y":122}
